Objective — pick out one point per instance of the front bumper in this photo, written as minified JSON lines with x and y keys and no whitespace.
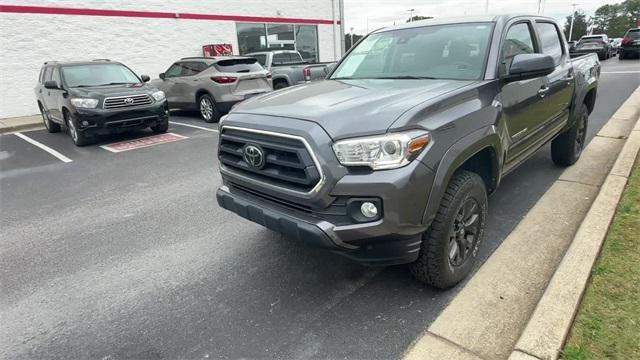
{"x":394,"y":238}
{"x":101,"y":121}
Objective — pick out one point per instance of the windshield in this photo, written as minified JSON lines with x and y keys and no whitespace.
{"x":634,"y":34}
{"x":97,"y":74}
{"x":456,"y":51}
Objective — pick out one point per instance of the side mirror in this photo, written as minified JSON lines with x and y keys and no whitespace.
{"x":51,"y":84}
{"x":161,"y":76}
{"x":529,"y":66}
{"x":145,"y":78}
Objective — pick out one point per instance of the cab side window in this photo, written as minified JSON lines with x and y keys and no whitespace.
{"x":47,"y":74}
{"x":550,"y":40}
{"x":518,"y":41}
{"x":174,"y":71}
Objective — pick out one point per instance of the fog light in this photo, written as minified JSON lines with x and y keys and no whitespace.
{"x":85,"y":123}
{"x":368,"y":209}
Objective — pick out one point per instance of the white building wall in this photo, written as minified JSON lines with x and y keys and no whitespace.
{"x":147,"y":45}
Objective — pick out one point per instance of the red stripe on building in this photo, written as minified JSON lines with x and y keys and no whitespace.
{"x":154,"y":14}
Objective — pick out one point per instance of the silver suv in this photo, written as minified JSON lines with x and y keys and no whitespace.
{"x":213,"y":85}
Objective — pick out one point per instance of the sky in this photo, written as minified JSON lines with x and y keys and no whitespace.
{"x":382,"y":13}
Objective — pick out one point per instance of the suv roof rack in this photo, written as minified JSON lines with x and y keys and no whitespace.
{"x":100,"y":60}
{"x":51,"y":62}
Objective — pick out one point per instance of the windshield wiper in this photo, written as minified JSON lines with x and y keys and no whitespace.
{"x":409,"y":77}
{"x":117,"y":83}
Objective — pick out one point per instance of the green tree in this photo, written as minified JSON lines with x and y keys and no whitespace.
{"x":615,"y":19}
{"x":580,"y":25}
{"x":418,"y":17}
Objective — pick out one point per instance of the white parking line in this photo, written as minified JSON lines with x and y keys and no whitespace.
{"x":43,"y":147}
{"x":193,"y":126}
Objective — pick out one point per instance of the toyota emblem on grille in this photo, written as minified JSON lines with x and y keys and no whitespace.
{"x":254,"y":156}
{"x":128,"y":101}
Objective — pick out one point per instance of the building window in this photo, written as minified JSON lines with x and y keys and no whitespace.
{"x":253,"y":37}
{"x":307,"y":42}
{"x":280,"y":37}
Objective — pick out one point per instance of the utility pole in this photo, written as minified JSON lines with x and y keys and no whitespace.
{"x":539,"y":5}
{"x":486,"y":7}
{"x":411,"y":14}
{"x":573,"y":15}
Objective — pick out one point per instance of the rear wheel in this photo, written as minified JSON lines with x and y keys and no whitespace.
{"x":79,"y":137}
{"x":208,"y":109}
{"x":450,"y":245}
{"x":50,"y":125}
{"x":567,"y":147}
{"x":281,"y":84}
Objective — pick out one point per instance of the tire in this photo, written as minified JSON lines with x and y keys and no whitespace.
{"x":161,"y":127}
{"x":621,"y":55}
{"x":280,"y":85}
{"x":439,"y":264}
{"x":79,"y":138}
{"x":567,"y":147}
{"x":50,"y":125}
{"x":208,"y":110}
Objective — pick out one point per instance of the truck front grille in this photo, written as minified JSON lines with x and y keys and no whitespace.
{"x":120,"y":102}
{"x":286,"y":160}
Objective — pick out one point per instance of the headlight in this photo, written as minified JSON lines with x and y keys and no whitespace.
{"x":84,"y":103}
{"x":388,"y":151}
{"x":158,"y":95}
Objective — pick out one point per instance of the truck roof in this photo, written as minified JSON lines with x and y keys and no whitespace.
{"x":462,"y":20}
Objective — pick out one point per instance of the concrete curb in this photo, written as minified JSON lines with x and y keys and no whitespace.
{"x":22,"y":123}
{"x":547,"y":330}
{"x":486,"y":319}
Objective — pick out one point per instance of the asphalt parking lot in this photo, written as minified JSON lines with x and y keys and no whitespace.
{"x":126,"y":254}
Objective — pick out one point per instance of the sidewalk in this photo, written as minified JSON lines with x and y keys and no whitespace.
{"x":20,"y":123}
{"x":514,"y":289}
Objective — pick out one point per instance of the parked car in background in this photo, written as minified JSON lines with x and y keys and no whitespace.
{"x":615,"y":44}
{"x":288,"y":67}
{"x":98,"y":97}
{"x":630,"y":45}
{"x":213,"y":85}
{"x":598,"y":44}
{"x":390,"y":159}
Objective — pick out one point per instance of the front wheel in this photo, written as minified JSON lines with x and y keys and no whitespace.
{"x":567,"y":147}
{"x":161,"y":127}
{"x":450,"y":245}
{"x":79,"y":137}
{"x":208,"y":109}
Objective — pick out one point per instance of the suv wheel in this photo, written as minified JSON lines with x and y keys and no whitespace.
{"x":161,"y":127}
{"x":450,"y":245}
{"x":79,"y":138}
{"x":50,"y":125}
{"x":567,"y":147}
{"x":280,"y":84}
{"x":208,"y":109}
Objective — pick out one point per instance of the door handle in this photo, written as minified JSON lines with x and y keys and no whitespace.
{"x":543,"y":91}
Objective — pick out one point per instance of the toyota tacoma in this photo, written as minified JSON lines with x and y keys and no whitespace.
{"x":391,"y":158}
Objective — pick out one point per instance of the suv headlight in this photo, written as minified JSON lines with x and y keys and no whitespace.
{"x":158,"y":95}
{"x":84,"y":103}
{"x":388,"y":151}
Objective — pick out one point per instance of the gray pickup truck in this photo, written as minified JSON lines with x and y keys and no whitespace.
{"x":390,"y":160}
{"x":288,"y":68}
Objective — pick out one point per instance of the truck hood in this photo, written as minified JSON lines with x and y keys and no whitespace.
{"x":346,"y":108}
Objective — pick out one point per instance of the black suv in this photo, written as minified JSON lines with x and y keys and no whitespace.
{"x":98,"y":97}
